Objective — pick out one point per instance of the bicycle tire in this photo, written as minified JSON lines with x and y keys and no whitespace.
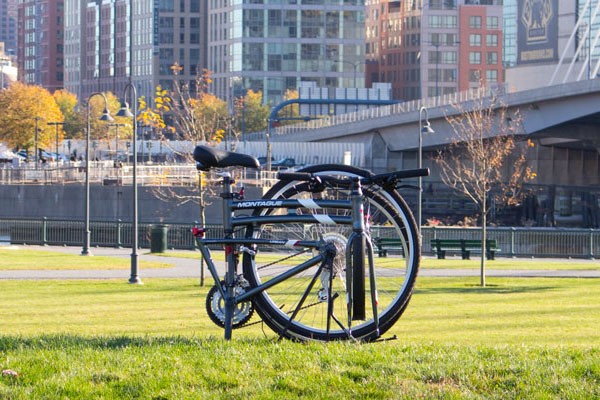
{"x":388,"y":215}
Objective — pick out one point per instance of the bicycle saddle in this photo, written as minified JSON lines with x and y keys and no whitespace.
{"x":208,"y":157}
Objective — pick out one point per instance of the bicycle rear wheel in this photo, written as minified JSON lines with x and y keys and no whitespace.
{"x":314,"y":318}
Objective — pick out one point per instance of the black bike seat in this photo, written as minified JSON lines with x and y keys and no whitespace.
{"x":208,"y":157}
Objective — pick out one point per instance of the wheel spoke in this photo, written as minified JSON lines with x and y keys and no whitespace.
{"x":391,"y":278}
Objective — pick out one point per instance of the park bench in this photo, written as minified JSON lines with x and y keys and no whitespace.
{"x":440,"y":246}
{"x":383,"y":245}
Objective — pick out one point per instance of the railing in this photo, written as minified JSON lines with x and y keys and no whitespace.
{"x":55,"y":232}
{"x":386,"y":111}
{"x":512,"y":242}
{"x":527,"y":242}
{"x":105,"y":173}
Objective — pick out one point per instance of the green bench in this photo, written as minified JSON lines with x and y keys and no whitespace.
{"x":440,"y":246}
{"x":383,"y":245}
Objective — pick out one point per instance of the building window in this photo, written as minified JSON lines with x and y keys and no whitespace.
{"x":492,"y":58}
{"x":433,"y":75}
{"x":474,"y":75}
{"x":491,"y":22}
{"x":449,"y":57}
{"x":166,"y":5}
{"x":434,"y":57}
{"x":449,"y":75}
{"x":491,"y":40}
{"x":475,"y":22}
{"x":491,"y":75}
{"x":475,"y":39}
{"x":475,"y":57}
{"x":443,"y":21}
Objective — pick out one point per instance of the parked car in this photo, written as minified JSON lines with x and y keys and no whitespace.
{"x":284,"y":163}
{"x":263,"y":160}
{"x":22,"y":154}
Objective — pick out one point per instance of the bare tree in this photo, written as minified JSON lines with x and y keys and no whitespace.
{"x":473,"y":164}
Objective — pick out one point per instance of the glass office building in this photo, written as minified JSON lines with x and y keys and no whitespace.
{"x":509,"y":54}
{"x":588,"y":34}
{"x":272,"y":46}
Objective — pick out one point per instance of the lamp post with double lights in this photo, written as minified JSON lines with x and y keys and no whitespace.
{"x":56,"y":124}
{"x":126,"y":112}
{"x":105,"y":117}
{"x":424,"y":128}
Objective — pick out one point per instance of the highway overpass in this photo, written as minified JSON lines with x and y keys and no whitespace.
{"x":563,"y":119}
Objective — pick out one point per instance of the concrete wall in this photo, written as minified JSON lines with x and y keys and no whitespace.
{"x":107,"y":203}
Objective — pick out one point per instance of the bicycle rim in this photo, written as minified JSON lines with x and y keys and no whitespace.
{"x":301,"y":308}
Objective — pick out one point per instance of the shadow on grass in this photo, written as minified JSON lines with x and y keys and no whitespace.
{"x":488,"y":289}
{"x":53,"y":342}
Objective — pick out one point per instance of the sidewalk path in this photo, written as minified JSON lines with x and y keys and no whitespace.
{"x":190,"y":268}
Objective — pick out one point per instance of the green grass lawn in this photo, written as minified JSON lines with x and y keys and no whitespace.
{"x":30,"y":259}
{"x":512,"y":263}
{"x":454,"y":262}
{"x":517,"y":338}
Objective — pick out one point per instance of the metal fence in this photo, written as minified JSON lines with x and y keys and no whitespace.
{"x":513,"y":242}
{"x":57,"y":232}
{"x":103,"y":172}
{"x":527,"y":242}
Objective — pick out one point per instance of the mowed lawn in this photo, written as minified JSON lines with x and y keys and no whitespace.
{"x":515,"y":338}
{"x":16,"y":258}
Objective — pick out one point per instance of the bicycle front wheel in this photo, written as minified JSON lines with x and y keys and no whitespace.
{"x":313,"y":305}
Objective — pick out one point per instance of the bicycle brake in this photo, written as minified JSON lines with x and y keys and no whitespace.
{"x":244,"y":249}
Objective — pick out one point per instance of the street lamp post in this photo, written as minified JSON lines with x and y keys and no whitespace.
{"x":56,"y":124}
{"x":438,"y":56}
{"x":354,"y":65}
{"x":105,"y":117}
{"x":116,"y":160}
{"x":37,"y":119}
{"x":268,"y":138}
{"x":423,"y":128}
{"x":126,"y":112}
{"x":437,"y":68}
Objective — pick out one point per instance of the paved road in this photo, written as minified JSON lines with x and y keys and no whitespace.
{"x":190,"y":268}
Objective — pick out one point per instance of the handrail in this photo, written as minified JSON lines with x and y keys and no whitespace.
{"x":512,"y":242}
{"x":106,"y":173}
{"x":389,"y":110}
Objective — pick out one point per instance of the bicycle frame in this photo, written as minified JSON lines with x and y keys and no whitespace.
{"x":327,"y":252}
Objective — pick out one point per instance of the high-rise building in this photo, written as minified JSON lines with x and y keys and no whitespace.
{"x":102,"y":53}
{"x":509,"y":32}
{"x":8,"y":73}
{"x":8,"y":26}
{"x":40,"y":43}
{"x":436,"y":47}
{"x":556,"y":43}
{"x":274,"y":46}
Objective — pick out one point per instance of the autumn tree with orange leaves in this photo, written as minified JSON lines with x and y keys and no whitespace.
{"x":21,"y":104}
